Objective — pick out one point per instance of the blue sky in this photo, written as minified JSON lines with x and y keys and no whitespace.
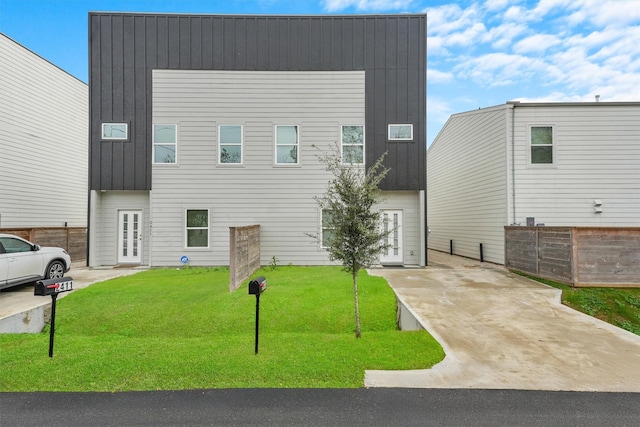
{"x":480,"y":53}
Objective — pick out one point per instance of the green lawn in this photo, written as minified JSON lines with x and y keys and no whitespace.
{"x":618,"y":306}
{"x":181,"y":329}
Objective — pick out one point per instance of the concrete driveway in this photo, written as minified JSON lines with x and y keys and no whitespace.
{"x":502,"y":331}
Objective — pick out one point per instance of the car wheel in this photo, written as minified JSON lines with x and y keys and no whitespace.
{"x":55,"y":270}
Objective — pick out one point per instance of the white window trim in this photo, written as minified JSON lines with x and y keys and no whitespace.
{"x":364,"y":138}
{"x":554,"y":162}
{"x":399,"y":139}
{"x":186,"y":229}
{"x":241,"y":145}
{"x":322,"y":228}
{"x":275,"y":151}
{"x":115,"y":138}
{"x":153,"y":139}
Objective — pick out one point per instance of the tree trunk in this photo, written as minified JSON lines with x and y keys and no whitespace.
{"x":355,"y":300}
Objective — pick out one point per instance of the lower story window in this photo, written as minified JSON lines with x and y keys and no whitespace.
{"x":197,"y":228}
{"x":328,"y":229}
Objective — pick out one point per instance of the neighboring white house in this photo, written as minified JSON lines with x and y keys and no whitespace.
{"x":43,"y":142}
{"x":558,"y":164}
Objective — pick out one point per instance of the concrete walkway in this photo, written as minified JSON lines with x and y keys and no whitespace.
{"x":502,"y":331}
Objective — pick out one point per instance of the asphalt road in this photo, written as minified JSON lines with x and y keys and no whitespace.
{"x":322,"y":407}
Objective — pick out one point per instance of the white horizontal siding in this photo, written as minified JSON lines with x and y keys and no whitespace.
{"x":597,"y":157}
{"x":278,"y":198}
{"x":43,"y":140}
{"x":467,"y":185}
{"x":409,"y":203}
{"x":104,"y":231}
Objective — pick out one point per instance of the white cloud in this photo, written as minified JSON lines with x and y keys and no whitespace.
{"x":436,"y":47}
{"x":494,"y":5}
{"x":444,"y":20}
{"x":500,"y":69}
{"x":502,"y":36}
{"x":437,"y":76}
{"x":472,"y":35}
{"x":537,"y":43}
{"x":514,"y":13}
{"x":366,"y":5}
{"x":618,"y":13}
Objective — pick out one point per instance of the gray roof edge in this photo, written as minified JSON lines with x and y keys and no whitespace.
{"x":574,"y":104}
{"x":257,"y":15}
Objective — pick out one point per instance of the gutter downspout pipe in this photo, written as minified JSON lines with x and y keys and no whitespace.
{"x":513,"y":159}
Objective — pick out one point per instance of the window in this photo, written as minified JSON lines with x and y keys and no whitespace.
{"x":164,"y":143}
{"x":541,"y":145}
{"x":327,"y":228}
{"x":197,"y":228}
{"x":115,"y":131}
{"x":230,"y":144}
{"x":286,"y":145}
{"x":400,"y":133}
{"x":12,"y":246}
{"x":353,"y":145}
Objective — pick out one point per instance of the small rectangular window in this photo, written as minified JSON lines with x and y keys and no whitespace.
{"x":164,"y":144}
{"x":115,"y":132}
{"x":230,"y":144}
{"x":353,"y":145}
{"x":287,"y":141}
{"x":197,"y":228}
{"x":541,"y":145}
{"x":327,"y":228}
{"x":400,"y":132}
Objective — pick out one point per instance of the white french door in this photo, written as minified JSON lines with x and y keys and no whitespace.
{"x":392,"y":226}
{"x":129,"y":237}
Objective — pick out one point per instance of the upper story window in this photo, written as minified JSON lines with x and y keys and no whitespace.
{"x":287,"y":141}
{"x":230,"y":144}
{"x":400,"y":132}
{"x":197,"y":228}
{"x":541,"y":145}
{"x":353,"y":145}
{"x":115,"y":132}
{"x":165,"y":143}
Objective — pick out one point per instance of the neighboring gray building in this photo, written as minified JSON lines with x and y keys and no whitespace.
{"x":199,"y":123}
{"x":43,"y":142}
{"x":561,"y":164}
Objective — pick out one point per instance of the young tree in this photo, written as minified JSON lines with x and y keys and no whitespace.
{"x":355,"y":236}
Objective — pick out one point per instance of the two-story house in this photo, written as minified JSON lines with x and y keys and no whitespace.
{"x":552,"y":164}
{"x":43,"y":142}
{"x":199,"y":123}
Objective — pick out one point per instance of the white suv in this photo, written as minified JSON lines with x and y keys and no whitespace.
{"x":23,"y":262}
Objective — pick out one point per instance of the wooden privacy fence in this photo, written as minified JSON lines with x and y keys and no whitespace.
{"x":73,"y":239}
{"x":244,"y":254}
{"x":578,"y":256}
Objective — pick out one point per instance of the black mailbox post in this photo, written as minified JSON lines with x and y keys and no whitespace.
{"x":256,"y":287}
{"x":53,"y":287}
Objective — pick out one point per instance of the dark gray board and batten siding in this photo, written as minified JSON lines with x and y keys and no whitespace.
{"x":125,"y":48}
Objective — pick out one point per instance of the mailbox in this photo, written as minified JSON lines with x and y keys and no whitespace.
{"x":257,"y":285}
{"x":53,"y":286}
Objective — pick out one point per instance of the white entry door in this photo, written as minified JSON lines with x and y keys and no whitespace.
{"x":392,"y":225}
{"x":129,"y":237}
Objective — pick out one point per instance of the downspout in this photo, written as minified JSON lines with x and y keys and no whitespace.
{"x":513,"y":160}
